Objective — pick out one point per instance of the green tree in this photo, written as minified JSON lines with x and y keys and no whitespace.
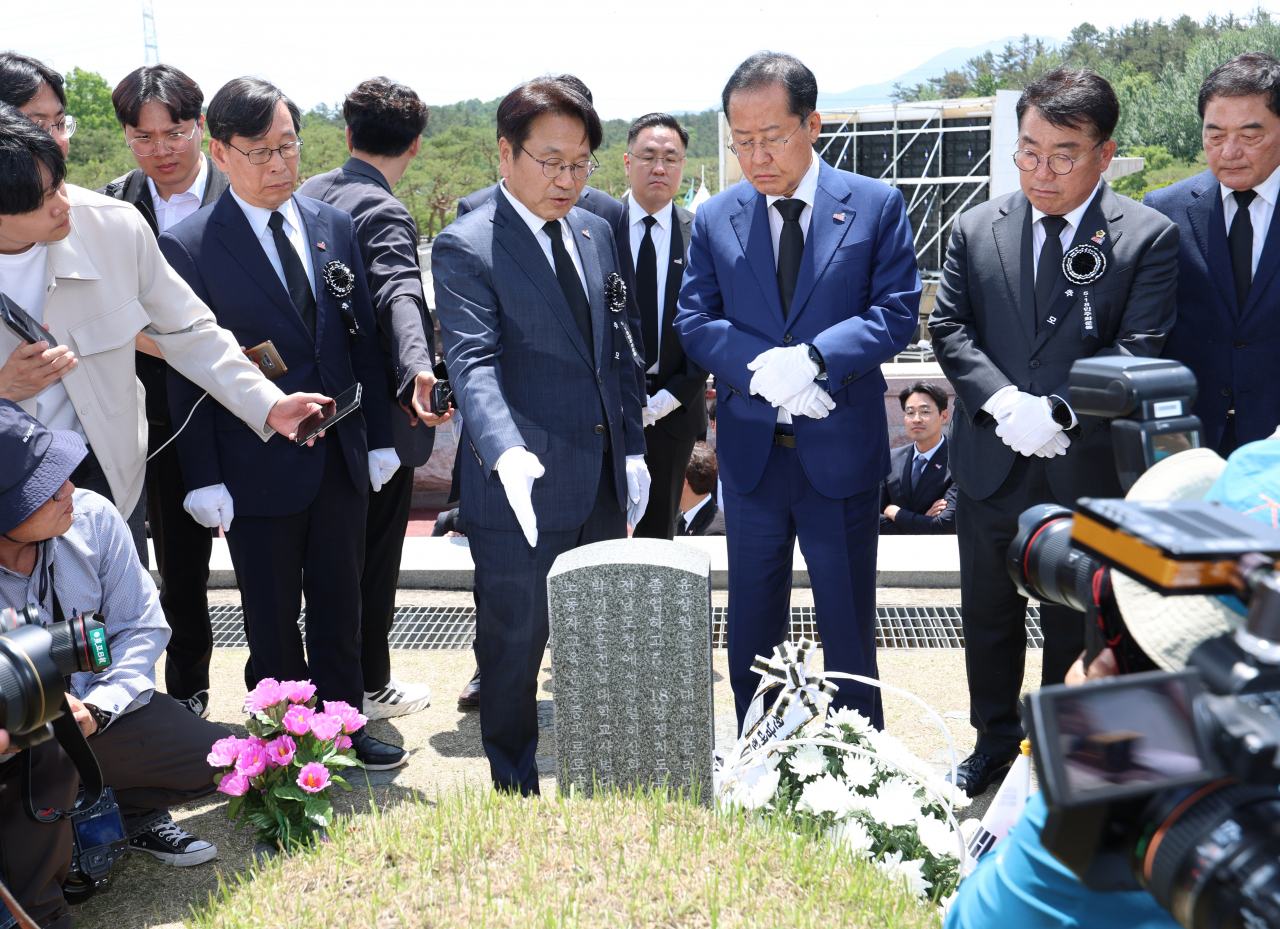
{"x":89,"y":100}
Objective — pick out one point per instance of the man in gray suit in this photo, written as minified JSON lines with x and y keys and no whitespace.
{"x":1061,"y":270}
{"x":534,"y":330}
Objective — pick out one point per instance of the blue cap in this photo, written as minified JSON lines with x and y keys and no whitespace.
{"x":34,"y":463}
{"x":1251,"y":482}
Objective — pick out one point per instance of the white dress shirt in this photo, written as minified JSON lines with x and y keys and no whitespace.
{"x":1260,"y":211}
{"x":178,"y":207}
{"x":1038,"y":234}
{"x":807,"y":191}
{"x":294,"y":229}
{"x":661,"y":236}
{"x":927,"y":456}
{"x":535,"y":224}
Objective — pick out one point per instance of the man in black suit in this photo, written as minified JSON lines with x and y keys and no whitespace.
{"x":653,"y":243}
{"x":918,"y":496}
{"x":384,"y":132}
{"x":699,"y":512}
{"x":1062,"y":269}
{"x":159,"y":109}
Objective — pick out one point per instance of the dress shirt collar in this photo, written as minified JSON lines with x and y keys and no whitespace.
{"x":1267,"y":190}
{"x":196,"y":189}
{"x":663,"y":216}
{"x":533,"y":221}
{"x":808,"y":189}
{"x":688,"y":517}
{"x":1073,"y":218}
{"x":927,"y":456}
{"x":259,"y":216}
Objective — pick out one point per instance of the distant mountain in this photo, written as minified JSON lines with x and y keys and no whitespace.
{"x":950,"y":60}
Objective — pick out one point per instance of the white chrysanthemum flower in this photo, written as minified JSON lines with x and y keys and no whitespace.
{"x":859,"y":771}
{"x":826,"y":795}
{"x":895,"y":803}
{"x":938,"y":837}
{"x":968,"y":828}
{"x":853,"y":835}
{"x":943,"y":789}
{"x":808,"y":761}
{"x":847,"y":716}
{"x":761,"y":792}
{"x":908,"y":872}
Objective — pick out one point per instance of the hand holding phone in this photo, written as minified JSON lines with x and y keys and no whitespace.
{"x":29,"y":369}
{"x":20,"y":321}
{"x":330,"y":413}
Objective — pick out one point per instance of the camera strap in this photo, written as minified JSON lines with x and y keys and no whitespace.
{"x":67,"y":731}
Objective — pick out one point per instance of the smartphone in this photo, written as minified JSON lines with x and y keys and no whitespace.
{"x":20,"y":321}
{"x":268,"y":360}
{"x":442,"y":393}
{"x":340,"y":406}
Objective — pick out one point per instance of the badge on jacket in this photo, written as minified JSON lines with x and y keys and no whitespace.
{"x":615,"y":297}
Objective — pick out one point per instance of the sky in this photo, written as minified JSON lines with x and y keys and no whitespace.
{"x":636,"y":56}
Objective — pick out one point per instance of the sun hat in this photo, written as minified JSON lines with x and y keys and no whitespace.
{"x":34,"y":463}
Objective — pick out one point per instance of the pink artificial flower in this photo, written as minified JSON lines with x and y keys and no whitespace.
{"x":313,"y":777}
{"x":325,"y":726}
{"x":234,"y":785}
{"x":351,"y":720}
{"x":268,"y":693}
{"x":224,"y":752}
{"x":344,"y":743}
{"x":252,"y":759}
{"x":280,"y":751}
{"x":298,"y":719}
{"x":298,"y":691}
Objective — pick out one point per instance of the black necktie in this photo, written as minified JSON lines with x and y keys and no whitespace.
{"x":647,"y":293}
{"x":295,"y":274}
{"x":1240,"y":243}
{"x":1050,"y":267}
{"x":570,"y":283}
{"x":681,"y":525}
{"x":790,"y":250}
{"x":917,"y":468}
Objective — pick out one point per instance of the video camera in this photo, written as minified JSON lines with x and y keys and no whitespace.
{"x":1161,"y":781}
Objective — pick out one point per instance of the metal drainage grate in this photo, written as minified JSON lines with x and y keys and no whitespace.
{"x":454,"y":627}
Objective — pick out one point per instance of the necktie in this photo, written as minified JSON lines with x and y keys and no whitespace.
{"x":917,"y":468}
{"x":647,"y":293}
{"x":790,"y":250}
{"x":681,"y":525}
{"x":570,"y":283}
{"x":295,"y":274}
{"x":1050,"y":267}
{"x":1240,"y":244}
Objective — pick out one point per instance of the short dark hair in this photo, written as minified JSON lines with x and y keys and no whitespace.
{"x":384,"y":117}
{"x":164,"y":84}
{"x":652,"y":120}
{"x":936,"y":393}
{"x":765,"y":68}
{"x":1065,"y":97}
{"x":532,"y":99}
{"x":572,"y":80}
{"x":246,"y":106}
{"x":711,"y":409}
{"x":21,"y":77}
{"x":24,"y":149}
{"x":1253,"y":73}
{"x":703,"y":469}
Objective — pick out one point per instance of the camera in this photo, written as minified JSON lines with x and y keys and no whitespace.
{"x":98,"y":839}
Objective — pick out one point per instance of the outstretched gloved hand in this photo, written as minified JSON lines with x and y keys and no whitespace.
{"x":781,"y":373}
{"x":638,"y":481}
{"x":518,"y":468}
{"x":211,"y":506}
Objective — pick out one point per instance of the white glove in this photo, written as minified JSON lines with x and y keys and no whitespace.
{"x":658,"y":406}
{"x":1023,"y":421}
{"x":1057,"y":445}
{"x":638,"y":482}
{"x":812,"y":401}
{"x":383,"y":462}
{"x":781,"y":373}
{"x":518,"y":468}
{"x":211,"y":506}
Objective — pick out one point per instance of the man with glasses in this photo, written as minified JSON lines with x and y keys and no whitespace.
{"x":653,"y":242}
{"x":159,"y":109}
{"x":38,"y":93}
{"x":1062,"y":269}
{"x":801,"y":282}
{"x":918,"y":496}
{"x":286,"y":270}
{"x":555,"y":450}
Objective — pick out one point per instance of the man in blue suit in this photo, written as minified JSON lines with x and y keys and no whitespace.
{"x":1228,"y":329}
{"x":801,"y":281}
{"x":536,"y":350}
{"x":285,"y":268}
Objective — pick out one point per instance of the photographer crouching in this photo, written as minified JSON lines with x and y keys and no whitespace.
{"x":68,"y":552}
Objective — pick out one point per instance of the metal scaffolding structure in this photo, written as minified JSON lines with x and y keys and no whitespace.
{"x":151,"y":53}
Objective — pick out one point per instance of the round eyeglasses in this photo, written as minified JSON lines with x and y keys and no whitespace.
{"x":1059,"y":163}
{"x":65,"y":127}
{"x":260,"y":156}
{"x":175,"y":143}
{"x":770,"y":146}
{"x":554,"y":167}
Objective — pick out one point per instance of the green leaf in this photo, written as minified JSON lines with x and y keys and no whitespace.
{"x":234,"y":807}
{"x":290,"y":791}
{"x":340,"y":781}
{"x":345,"y":761}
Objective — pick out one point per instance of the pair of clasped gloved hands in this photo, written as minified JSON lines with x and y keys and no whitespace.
{"x":1025,"y":423}
{"x":785,"y":377}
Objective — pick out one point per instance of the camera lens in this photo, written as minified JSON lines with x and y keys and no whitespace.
{"x":80,"y":644}
{"x":1043,"y":563}
{"x":30,"y":680}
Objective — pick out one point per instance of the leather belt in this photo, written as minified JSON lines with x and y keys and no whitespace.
{"x":783,"y":439}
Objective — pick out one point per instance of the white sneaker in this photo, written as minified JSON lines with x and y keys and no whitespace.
{"x":396,"y":699}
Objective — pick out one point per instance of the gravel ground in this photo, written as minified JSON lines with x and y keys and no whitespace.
{"x":446,"y":751}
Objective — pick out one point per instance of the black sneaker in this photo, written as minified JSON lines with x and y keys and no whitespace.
{"x":376,"y":754}
{"x":173,"y":845}
{"x":197,"y":703}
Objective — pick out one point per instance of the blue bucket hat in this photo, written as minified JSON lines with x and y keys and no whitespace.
{"x":34,"y":463}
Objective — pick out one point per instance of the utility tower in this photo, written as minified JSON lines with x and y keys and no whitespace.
{"x":152,"y":56}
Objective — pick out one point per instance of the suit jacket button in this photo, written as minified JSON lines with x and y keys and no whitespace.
{"x":1034,"y":363}
{"x":1226,"y":391}
{"x":1239,"y":343}
{"x":317,"y":356}
{"x":788,"y":338}
{"x":599,"y":430}
{"x":847,"y":379}
{"x":597,"y":378}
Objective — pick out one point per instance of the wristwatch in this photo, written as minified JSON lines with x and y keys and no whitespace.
{"x":816,"y":357}
{"x":1061,"y":412}
{"x":100,"y":716}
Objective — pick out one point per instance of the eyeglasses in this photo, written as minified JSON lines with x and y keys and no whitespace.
{"x":1059,"y":163}
{"x":65,"y":127}
{"x":554,"y":167}
{"x":260,"y":156}
{"x":175,"y":143}
{"x":918,"y":410}
{"x":770,"y":146}
{"x":670,"y":162}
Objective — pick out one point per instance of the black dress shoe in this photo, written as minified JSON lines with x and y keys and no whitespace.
{"x":975,"y":774}
{"x":377,"y":755}
{"x":470,"y":695}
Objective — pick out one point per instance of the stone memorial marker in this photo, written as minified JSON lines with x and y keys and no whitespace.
{"x":631,"y":663}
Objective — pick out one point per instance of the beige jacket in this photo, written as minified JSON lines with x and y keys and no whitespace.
{"x":106,"y":282}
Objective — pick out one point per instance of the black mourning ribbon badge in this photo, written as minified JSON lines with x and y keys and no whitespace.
{"x":615,"y":296}
{"x":340,"y":281}
{"x":1084,"y":264}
